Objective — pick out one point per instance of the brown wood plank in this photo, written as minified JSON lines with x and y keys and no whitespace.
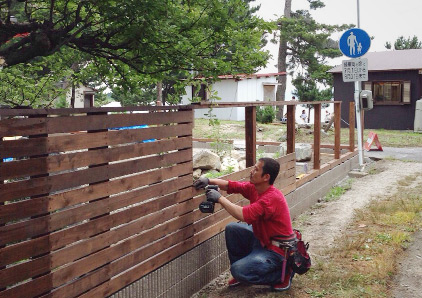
{"x":51,"y":125}
{"x":36,"y":186}
{"x":57,"y":278}
{"x":317,"y":136}
{"x":97,"y":259}
{"x":27,"y":208}
{"x":291,"y":126}
{"x":62,"y":162}
{"x":312,"y":174}
{"x":337,"y":131}
{"x":250,"y":135}
{"x":56,"y":240}
{"x":137,"y":272}
{"x":40,"y":225}
{"x":71,"y":253}
{"x":352,"y":115}
{"x":288,"y":189}
{"x":78,"y":141}
{"x":73,"y":111}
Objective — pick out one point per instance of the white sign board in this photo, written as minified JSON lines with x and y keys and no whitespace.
{"x":355,"y":70}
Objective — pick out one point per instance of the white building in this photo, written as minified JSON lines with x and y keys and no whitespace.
{"x":84,"y":97}
{"x":239,"y":88}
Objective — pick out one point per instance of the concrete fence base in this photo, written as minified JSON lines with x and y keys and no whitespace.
{"x":190,"y":272}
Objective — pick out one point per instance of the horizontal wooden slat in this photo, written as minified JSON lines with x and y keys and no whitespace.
{"x":59,"y":239}
{"x":49,"y":223}
{"x":81,"y":249}
{"x":106,"y":255}
{"x":59,"y":277}
{"x":62,"y":162}
{"x":48,"y":184}
{"x":80,"y":141}
{"x":51,"y":125}
{"x":123,"y":279}
{"x":42,"y":205}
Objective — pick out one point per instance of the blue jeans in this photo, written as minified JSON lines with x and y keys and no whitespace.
{"x":250,"y":262}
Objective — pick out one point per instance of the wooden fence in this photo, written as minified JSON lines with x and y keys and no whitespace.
{"x":91,"y":202}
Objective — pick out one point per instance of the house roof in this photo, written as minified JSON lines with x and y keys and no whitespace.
{"x":390,"y":60}
{"x":243,"y":76}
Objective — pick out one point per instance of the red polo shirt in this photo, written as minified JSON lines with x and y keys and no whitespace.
{"x":268,"y":213}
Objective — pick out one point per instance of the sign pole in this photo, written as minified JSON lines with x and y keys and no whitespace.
{"x":354,"y":43}
{"x":358,"y":123}
{"x":357,"y":105}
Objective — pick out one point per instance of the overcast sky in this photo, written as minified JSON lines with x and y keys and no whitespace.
{"x":385,"y":20}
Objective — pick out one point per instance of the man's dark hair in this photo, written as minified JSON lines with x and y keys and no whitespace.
{"x":271,"y":167}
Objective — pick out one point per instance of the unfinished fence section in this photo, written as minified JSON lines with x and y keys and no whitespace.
{"x":91,"y":202}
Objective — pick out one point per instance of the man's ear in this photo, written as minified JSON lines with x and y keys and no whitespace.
{"x":266,"y":177}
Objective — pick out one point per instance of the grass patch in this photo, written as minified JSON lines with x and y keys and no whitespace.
{"x":364,"y":259}
{"x":338,"y":190}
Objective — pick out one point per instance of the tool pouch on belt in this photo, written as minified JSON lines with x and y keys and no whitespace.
{"x":296,"y":251}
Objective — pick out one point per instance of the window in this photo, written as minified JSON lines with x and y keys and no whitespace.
{"x":389,"y":92}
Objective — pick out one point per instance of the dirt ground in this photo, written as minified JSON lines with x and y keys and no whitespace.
{"x":335,"y":217}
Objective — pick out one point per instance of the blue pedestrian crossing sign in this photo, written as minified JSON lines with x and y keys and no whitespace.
{"x":354,"y":43}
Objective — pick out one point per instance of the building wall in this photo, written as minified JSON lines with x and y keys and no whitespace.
{"x":230,"y":90}
{"x":79,"y":96}
{"x":397,"y":117}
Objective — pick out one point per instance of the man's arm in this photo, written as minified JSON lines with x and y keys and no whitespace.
{"x":222,"y":184}
{"x":233,"y":209}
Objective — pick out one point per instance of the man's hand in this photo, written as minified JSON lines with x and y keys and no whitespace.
{"x":202,"y":182}
{"x":212,"y":195}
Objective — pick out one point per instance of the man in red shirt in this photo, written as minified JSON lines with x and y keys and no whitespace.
{"x":254,"y":256}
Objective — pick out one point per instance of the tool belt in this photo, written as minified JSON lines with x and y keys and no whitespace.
{"x":284,"y":242}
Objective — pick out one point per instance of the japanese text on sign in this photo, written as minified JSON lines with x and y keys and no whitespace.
{"x":355,"y":70}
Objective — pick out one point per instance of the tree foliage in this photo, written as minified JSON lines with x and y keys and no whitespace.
{"x":126,"y":43}
{"x":405,"y":44}
{"x":309,"y":47}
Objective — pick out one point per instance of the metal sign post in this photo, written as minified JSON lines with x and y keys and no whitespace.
{"x":354,"y":43}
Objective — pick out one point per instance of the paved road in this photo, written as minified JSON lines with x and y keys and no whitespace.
{"x":405,"y":154}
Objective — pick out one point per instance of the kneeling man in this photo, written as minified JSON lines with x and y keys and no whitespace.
{"x":254,"y":255}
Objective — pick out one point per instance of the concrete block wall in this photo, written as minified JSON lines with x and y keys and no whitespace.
{"x":308,"y":194}
{"x":187,"y":274}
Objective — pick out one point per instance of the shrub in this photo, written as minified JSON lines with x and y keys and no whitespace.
{"x":265,"y":114}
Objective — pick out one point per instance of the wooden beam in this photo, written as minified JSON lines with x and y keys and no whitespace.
{"x":317,"y":136}
{"x":250,"y":135}
{"x":291,"y":126}
{"x":352,"y":115}
{"x":337,"y":131}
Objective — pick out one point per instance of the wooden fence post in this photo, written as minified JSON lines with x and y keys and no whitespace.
{"x":291,"y":126}
{"x":250,"y":135}
{"x":317,"y":136}
{"x":337,"y":129}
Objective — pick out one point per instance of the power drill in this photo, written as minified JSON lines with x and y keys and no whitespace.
{"x":208,"y":207}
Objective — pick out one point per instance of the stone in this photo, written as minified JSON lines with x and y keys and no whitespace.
{"x":238,"y":155}
{"x":206,"y":160}
{"x":303,"y":151}
{"x":197,"y":173}
{"x":357,"y":174}
{"x":242,"y":164}
{"x":229,"y":163}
